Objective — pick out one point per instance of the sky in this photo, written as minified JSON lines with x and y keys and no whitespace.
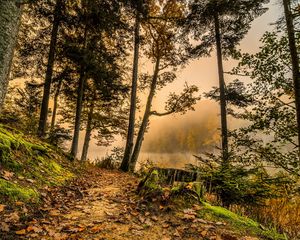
{"x":202,"y":73}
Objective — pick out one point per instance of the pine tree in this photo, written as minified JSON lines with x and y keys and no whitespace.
{"x":221,"y":24}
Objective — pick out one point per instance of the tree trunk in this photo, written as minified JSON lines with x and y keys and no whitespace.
{"x":130,"y":133}
{"x":55,"y":104}
{"x":10,"y":14}
{"x":88,"y":133}
{"x":294,"y":60}
{"x":80,"y":93}
{"x":224,"y":130}
{"x":144,"y":124}
{"x":49,"y":71}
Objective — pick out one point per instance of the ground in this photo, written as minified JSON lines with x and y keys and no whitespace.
{"x":103,"y":204}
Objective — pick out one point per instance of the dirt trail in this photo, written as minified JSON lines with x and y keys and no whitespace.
{"x":103,"y":204}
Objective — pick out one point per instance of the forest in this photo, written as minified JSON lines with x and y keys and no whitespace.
{"x":104,"y":136}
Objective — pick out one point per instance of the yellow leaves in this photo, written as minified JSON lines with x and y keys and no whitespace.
{"x":21,"y":232}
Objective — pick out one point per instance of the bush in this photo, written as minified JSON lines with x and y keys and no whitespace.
{"x":112,"y":161}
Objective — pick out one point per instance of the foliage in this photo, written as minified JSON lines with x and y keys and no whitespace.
{"x":271,"y":131}
{"x":112,"y":161}
{"x":237,"y":184}
{"x":58,"y":136}
{"x":234,"y":16}
{"x":23,"y":106}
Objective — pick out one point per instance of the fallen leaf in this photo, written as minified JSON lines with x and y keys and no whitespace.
{"x":4,"y":227}
{"x":7,"y":175}
{"x":30,"y":180}
{"x":176,"y":234}
{"x":96,"y":229}
{"x":188,"y":217}
{"x":21,"y":232}
{"x":19,"y":203}
{"x":203,"y":233}
{"x":134,"y":213}
{"x":34,"y":229}
{"x":13,"y":217}
{"x":54,"y":213}
{"x":2,"y":207}
{"x":165,"y":225}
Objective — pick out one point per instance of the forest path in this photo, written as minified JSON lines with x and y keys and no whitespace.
{"x":102,"y":204}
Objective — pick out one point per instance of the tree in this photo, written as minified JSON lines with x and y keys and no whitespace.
{"x":10,"y":13}
{"x":93,"y":34}
{"x":94,"y":47}
{"x":131,"y":125}
{"x":221,"y":24}
{"x":269,"y":138}
{"x":294,"y":60}
{"x":49,"y":72}
{"x":27,"y":102}
{"x":165,"y":49}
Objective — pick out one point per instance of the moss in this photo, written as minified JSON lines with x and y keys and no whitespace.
{"x":243,"y":224}
{"x":32,"y":159}
{"x":16,"y":192}
{"x":152,"y":183}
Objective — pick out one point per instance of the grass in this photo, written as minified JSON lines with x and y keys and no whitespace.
{"x":283,"y":213}
{"x":243,"y":224}
{"x":28,"y":158}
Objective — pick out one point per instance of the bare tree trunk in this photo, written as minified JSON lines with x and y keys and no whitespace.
{"x":49,"y":71}
{"x":55,"y":105}
{"x":143,"y":127}
{"x":10,"y":14}
{"x":224,"y":130}
{"x":294,"y":60}
{"x":80,"y":93}
{"x":88,"y":133}
{"x":130,"y":133}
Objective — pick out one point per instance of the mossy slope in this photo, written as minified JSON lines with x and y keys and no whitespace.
{"x":238,"y":223}
{"x":31,"y":165}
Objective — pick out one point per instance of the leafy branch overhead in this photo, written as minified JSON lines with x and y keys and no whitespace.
{"x":181,"y":103}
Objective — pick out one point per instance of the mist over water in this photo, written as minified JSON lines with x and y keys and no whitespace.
{"x":172,"y":141}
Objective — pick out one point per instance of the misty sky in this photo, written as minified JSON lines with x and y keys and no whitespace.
{"x":203,"y":73}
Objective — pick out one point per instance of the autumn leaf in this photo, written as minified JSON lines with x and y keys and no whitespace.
{"x":19,"y":203}
{"x":96,"y":229}
{"x":4,"y":227}
{"x":21,"y":232}
{"x":54,"y":213}
{"x":7,"y":175}
{"x":2,"y":207}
